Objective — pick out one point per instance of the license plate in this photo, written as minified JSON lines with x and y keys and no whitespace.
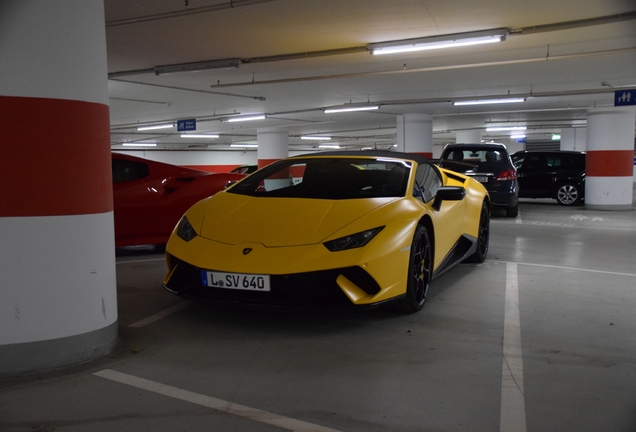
{"x":238,"y":281}
{"x":481,"y":179}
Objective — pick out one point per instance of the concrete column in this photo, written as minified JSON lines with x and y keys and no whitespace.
{"x":574,"y":139}
{"x":273,"y":145}
{"x":58,"y":302}
{"x":609,"y":160}
{"x":415,"y":134}
{"x":468,"y":137}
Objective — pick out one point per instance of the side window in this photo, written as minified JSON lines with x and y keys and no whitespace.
{"x":535,"y":162}
{"x":427,"y":182}
{"x":518,"y":161}
{"x":125,"y":170}
{"x":573,"y":162}
{"x":553,"y":160}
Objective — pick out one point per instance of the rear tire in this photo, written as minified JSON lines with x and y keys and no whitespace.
{"x":419,"y":274}
{"x":512,"y":211}
{"x":483,"y":237}
{"x":568,"y":194}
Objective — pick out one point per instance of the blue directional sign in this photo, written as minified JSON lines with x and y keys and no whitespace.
{"x":624,"y":97}
{"x":187,"y":125}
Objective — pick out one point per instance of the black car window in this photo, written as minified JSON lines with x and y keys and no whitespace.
{"x":535,"y":162}
{"x":125,"y":170}
{"x":572,"y":161}
{"x":328,"y":178}
{"x":553,"y":160}
{"x":476,"y":155}
{"x":427,"y":182}
{"x":518,"y":160}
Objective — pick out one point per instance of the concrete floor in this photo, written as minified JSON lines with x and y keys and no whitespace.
{"x":557,"y":296}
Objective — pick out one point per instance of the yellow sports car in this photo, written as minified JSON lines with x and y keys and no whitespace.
{"x":328,"y":230}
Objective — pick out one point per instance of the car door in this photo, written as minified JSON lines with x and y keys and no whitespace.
{"x":449,"y":219}
{"x":533,"y":174}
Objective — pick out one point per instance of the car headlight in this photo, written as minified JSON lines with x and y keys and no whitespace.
{"x":352,"y":241}
{"x":185,"y":230}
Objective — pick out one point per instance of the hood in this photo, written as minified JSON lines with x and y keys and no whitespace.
{"x":277,"y":222}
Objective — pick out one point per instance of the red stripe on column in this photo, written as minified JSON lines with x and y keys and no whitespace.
{"x":54,"y":157}
{"x":609,"y":163}
{"x":264,"y":162}
{"x":427,"y":155}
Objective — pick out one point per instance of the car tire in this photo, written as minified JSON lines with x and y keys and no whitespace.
{"x":512,"y":211}
{"x":568,"y":194}
{"x":419,"y":275}
{"x":483,"y":237}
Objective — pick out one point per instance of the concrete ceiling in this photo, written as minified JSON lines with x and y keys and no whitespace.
{"x":299,"y":56}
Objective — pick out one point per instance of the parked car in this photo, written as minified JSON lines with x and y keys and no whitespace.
{"x":245,"y":169}
{"x":551,"y":174}
{"x":489,"y":164}
{"x":328,"y":230}
{"x":150,"y":197}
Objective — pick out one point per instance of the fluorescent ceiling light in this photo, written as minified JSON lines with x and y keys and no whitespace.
{"x":139,"y":144}
{"x":329,"y":146}
{"x":316,"y":138}
{"x":245,"y":118}
{"x":489,"y":101}
{"x":350,"y":107}
{"x":517,"y":136}
{"x":152,"y":127}
{"x":246,"y":145}
{"x":199,"y":136}
{"x":197,"y":66}
{"x":505,"y":128}
{"x":438,"y":42}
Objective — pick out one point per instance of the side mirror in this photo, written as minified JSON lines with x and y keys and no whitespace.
{"x":448,"y":193}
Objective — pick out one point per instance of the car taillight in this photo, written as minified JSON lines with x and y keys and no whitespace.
{"x":507,"y":175}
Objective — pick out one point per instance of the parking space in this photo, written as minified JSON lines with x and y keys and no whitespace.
{"x":547,"y":320}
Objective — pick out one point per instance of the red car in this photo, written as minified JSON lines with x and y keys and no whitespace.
{"x":150,"y":197}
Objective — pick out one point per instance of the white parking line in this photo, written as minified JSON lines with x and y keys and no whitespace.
{"x":210,"y":402}
{"x":573,"y":269}
{"x":164,"y":313}
{"x":513,"y":408}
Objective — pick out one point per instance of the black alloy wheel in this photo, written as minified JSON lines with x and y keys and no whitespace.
{"x":568,"y":194}
{"x":419,"y":275}
{"x":483,"y":236}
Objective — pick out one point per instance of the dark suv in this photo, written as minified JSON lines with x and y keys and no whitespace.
{"x":551,"y":174}
{"x":490,"y":165}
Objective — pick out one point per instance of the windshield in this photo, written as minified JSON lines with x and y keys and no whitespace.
{"x":328,"y":178}
{"x":475,"y":156}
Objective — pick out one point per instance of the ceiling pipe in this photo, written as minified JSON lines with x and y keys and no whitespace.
{"x":174,"y":14}
{"x":428,"y":69}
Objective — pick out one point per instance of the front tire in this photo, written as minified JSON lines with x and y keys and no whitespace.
{"x":568,"y":194}
{"x":483,"y":237}
{"x":419,"y":275}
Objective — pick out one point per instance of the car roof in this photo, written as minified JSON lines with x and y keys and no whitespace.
{"x":550,"y":152}
{"x":370,"y":153}
{"x":477,"y":146}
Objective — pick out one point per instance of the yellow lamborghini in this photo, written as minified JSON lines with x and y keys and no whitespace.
{"x":328,"y":230}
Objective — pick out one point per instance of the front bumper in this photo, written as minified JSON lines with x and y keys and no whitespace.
{"x":504,"y":193}
{"x":317,"y":289}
